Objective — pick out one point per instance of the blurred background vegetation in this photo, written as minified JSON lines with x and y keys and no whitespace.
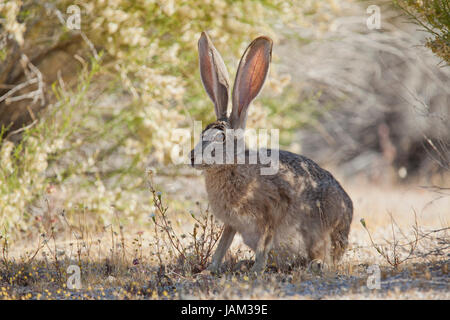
{"x":83,"y":113}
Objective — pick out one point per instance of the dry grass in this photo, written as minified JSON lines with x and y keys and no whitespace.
{"x":132,"y":261}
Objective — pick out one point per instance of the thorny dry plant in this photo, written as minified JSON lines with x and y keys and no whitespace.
{"x":397,"y":250}
{"x":194,"y":250}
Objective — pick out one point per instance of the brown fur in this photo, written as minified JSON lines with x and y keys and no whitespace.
{"x":301,"y":212}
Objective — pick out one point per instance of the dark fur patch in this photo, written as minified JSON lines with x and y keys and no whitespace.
{"x":219,"y":125}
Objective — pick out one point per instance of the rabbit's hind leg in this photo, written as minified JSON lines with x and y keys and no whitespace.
{"x":320,"y":250}
{"x":263,"y":248}
{"x":224,"y":243}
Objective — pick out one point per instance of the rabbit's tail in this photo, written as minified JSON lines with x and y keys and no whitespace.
{"x":339,"y":242}
{"x":339,"y":234}
{"x":339,"y":237}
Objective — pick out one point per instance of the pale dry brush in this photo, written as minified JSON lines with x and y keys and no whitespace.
{"x":372,"y":79}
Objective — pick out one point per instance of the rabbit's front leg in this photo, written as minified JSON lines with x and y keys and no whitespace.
{"x":224,"y":243}
{"x":262,"y":251}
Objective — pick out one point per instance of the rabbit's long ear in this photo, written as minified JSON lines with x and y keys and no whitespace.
{"x":214,"y":75}
{"x":250,"y":77}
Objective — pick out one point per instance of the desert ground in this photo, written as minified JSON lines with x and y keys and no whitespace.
{"x":408,"y":223}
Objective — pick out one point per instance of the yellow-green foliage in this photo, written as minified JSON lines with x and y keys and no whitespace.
{"x":434,"y":17}
{"x":93,"y":144}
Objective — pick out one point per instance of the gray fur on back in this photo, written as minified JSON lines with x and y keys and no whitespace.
{"x":308,"y":210}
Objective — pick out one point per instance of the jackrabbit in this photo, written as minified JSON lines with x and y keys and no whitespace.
{"x":301,"y":213}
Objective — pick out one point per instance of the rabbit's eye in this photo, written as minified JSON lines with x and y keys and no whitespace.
{"x":220,"y":137}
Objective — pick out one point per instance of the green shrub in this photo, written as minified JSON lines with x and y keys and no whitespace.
{"x":434,"y":17}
